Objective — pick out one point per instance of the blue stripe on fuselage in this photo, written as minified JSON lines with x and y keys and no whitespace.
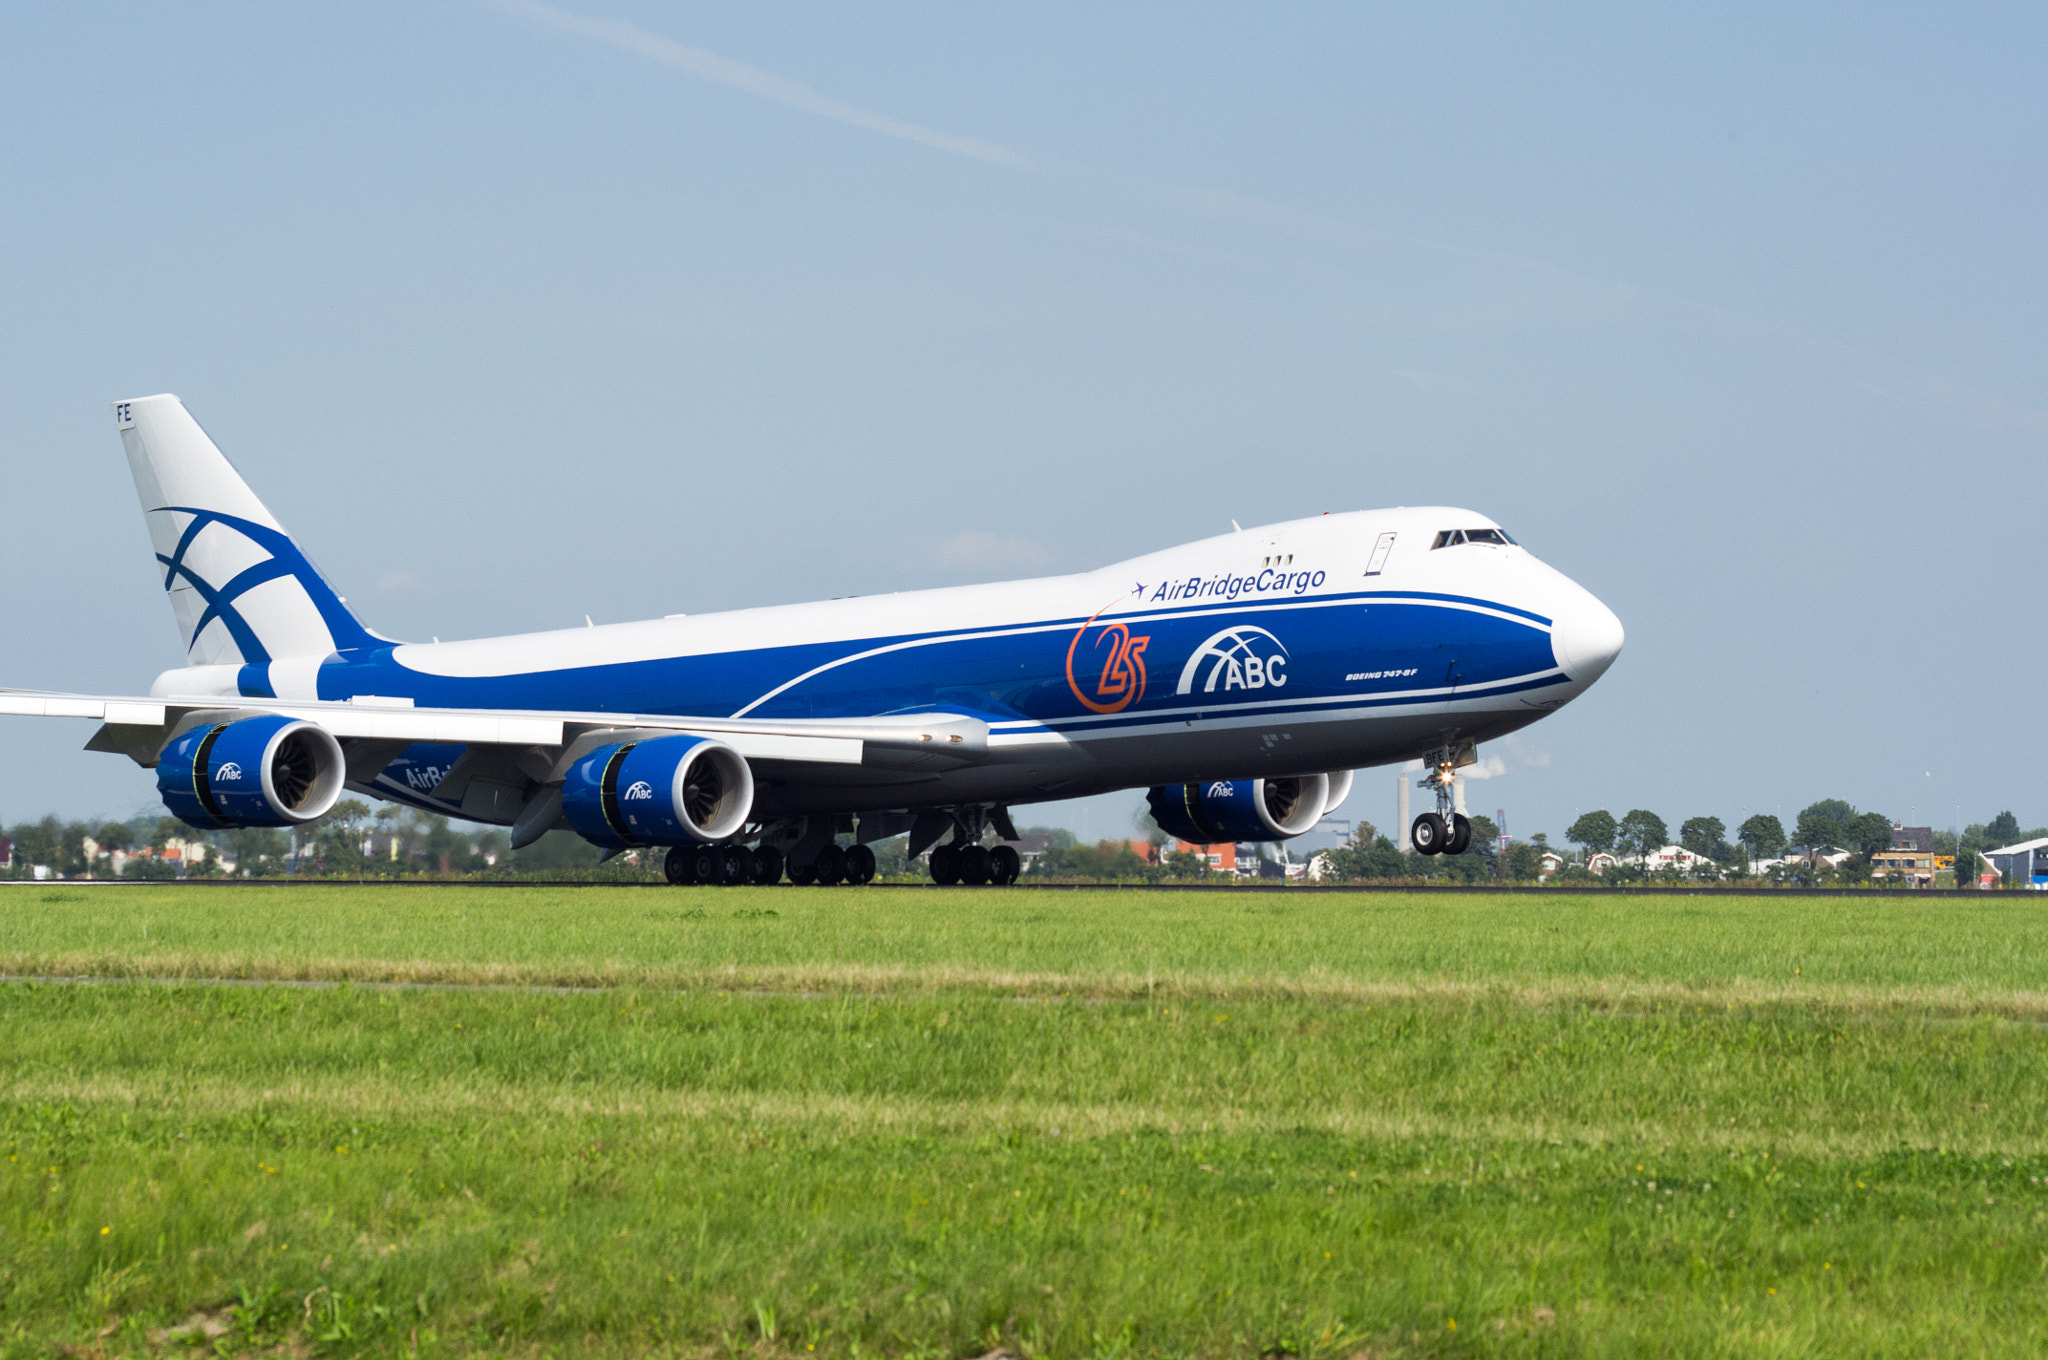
{"x":1351,"y":650}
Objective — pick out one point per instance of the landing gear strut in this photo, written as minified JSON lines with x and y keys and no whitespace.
{"x":1445,"y":831}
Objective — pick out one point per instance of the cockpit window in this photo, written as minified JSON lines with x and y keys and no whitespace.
{"x":1451,"y":538}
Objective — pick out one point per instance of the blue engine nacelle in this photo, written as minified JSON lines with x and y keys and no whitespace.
{"x":1221,"y":810}
{"x":266,"y":771}
{"x":678,"y":790}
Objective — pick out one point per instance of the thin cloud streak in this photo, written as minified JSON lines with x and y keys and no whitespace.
{"x":752,"y":80}
{"x":1931,"y":395}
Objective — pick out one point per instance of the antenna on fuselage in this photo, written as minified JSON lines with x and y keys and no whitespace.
{"x":1236,"y":527}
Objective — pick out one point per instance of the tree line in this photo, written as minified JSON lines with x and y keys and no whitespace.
{"x":351,"y":841}
{"x":1828,"y":827}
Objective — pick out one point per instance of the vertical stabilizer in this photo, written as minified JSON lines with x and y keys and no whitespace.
{"x":241,"y":590}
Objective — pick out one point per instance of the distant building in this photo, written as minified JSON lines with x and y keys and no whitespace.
{"x":1548,"y":863}
{"x":1028,"y":848}
{"x":1917,"y":867}
{"x":1676,"y":857}
{"x":1327,"y":834}
{"x":2025,"y":863}
{"x":1220,"y":857}
{"x":1806,"y":859}
{"x":1599,"y":862}
{"x":1913,"y":839}
{"x":1253,"y":862}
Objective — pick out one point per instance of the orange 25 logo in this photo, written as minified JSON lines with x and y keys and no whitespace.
{"x":1122,"y":682}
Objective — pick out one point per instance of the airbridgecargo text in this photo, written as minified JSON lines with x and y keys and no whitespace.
{"x":1267,"y":582}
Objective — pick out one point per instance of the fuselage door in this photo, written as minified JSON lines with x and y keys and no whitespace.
{"x":1379,"y":554}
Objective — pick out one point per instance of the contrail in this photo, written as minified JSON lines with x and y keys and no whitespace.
{"x":740,"y":76}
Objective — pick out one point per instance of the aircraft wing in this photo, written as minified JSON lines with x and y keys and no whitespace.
{"x":901,"y":743}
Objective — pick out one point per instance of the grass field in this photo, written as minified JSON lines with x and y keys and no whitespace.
{"x":918,"y":1122}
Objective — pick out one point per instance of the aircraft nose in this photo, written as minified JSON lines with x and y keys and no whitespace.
{"x":1585,"y":636}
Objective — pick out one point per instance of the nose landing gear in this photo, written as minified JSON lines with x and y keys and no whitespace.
{"x":1445,"y":831}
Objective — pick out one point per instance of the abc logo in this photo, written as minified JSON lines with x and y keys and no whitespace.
{"x":1239,"y":657}
{"x":227,"y":773}
{"x":639,"y":789}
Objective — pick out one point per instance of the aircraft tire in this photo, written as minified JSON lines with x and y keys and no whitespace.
{"x":860,"y":864}
{"x":830,"y":866}
{"x":1461,"y":835}
{"x":974,"y":865}
{"x":739,"y":865}
{"x":1428,"y":834}
{"x":1005,"y":864}
{"x":767,"y":865}
{"x":946,"y":865}
{"x":803,"y":876}
{"x":695,"y":866}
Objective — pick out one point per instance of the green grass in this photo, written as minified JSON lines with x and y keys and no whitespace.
{"x":913,"y":1122}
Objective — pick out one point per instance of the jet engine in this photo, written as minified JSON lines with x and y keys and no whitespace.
{"x":264,"y":771}
{"x":679,"y":790}
{"x":1339,"y":790}
{"x":1240,"y":809}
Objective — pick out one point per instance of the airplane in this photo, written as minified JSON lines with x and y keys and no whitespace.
{"x":1240,"y":680}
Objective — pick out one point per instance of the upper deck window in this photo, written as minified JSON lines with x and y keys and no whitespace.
{"x":1451,"y":538}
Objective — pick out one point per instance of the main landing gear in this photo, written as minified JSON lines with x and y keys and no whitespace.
{"x":1445,"y":831}
{"x":975,"y":865}
{"x":963,"y":858}
{"x":730,"y":866}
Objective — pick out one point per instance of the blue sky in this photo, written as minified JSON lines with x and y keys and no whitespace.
{"x":515,"y":313}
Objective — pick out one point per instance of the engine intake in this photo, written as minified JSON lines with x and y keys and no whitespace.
{"x":1222,"y":810}
{"x":267,"y":771}
{"x":675,"y":790}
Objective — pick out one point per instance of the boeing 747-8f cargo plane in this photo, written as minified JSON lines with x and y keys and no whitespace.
{"x":1241,"y":679}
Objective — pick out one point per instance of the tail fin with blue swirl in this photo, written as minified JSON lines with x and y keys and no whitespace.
{"x":240,"y":588}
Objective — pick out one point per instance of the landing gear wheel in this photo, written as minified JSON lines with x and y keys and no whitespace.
{"x":974,"y":865}
{"x":860,"y":864}
{"x":1004,"y":865}
{"x":1461,"y":835}
{"x":702,"y":865}
{"x":1429,"y":834}
{"x":676,"y":867}
{"x":739,"y":865}
{"x":767,"y":865}
{"x":946,"y":865}
{"x":804,"y":876}
{"x":830,"y":866}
